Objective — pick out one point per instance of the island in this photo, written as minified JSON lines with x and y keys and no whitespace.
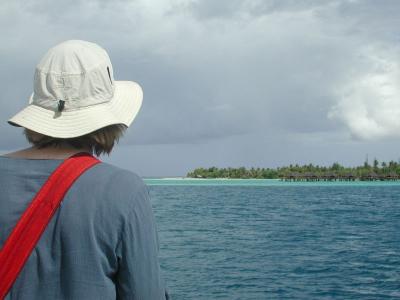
{"x":387,"y":171}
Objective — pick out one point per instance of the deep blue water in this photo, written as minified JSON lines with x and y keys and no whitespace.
{"x":278,"y":241}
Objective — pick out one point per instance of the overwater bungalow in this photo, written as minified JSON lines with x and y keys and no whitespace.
{"x":309,"y":176}
{"x":292,"y":176}
{"x":348,"y":177}
{"x":332,"y":176}
{"x":391,"y":176}
{"x":371,"y":176}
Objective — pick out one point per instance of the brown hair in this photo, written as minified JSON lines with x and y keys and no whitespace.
{"x":99,"y":141}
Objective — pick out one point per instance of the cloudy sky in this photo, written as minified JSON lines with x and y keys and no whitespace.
{"x":260,"y":83}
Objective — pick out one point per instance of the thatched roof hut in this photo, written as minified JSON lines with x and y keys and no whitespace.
{"x":371,"y":176}
{"x":348,"y":176}
{"x":390,"y":176}
{"x":331,"y":176}
{"x":292,"y":176}
{"x":310,"y":176}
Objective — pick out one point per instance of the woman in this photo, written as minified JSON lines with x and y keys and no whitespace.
{"x":102,"y":242}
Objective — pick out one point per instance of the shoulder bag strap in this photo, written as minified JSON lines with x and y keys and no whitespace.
{"x":23,"y":238}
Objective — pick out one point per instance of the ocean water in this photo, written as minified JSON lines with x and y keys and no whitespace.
{"x":265,"y":239}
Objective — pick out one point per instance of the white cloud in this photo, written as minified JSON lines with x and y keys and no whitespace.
{"x":369,"y":103}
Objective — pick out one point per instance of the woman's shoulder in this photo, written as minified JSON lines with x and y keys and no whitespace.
{"x":116,"y":176}
{"x":111,"y":182}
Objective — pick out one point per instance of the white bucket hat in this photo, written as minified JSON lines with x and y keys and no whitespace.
{"x":75,"y":93}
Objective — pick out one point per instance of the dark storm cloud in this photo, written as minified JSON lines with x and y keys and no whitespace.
{"x":228,"y":9}
{"x":214,"y":69}
{"x":180,"y":105}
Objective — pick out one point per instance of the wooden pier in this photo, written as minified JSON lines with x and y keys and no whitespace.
{"x":309,"y":176}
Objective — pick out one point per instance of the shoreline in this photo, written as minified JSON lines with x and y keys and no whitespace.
{"x":217,"y":178}
{"x":269,"y":179}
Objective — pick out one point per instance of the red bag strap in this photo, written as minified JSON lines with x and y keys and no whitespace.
{"x":34,"y":220}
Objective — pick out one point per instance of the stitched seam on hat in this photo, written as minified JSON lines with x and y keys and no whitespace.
{"x":63,"y":73}
{"x":66,"y":74}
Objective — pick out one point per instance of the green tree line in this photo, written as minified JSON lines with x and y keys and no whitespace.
{"x":377,"y":168}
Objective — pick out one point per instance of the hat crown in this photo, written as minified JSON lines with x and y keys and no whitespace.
{"x":72,"y":57}
{"x":77,"y":72}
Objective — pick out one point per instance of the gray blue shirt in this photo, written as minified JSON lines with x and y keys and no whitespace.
{"x":101,"y":243}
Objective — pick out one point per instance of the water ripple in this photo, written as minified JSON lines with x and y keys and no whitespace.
{"x":275,"y":242}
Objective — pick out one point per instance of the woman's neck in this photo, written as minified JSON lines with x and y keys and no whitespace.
{"x":60,"y":152}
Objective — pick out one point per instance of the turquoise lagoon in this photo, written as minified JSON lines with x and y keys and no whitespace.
{"x":256,"y":239}
{"x":262,"y":182}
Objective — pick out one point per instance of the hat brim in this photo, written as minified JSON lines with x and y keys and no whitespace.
{"x":122,"y":109}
